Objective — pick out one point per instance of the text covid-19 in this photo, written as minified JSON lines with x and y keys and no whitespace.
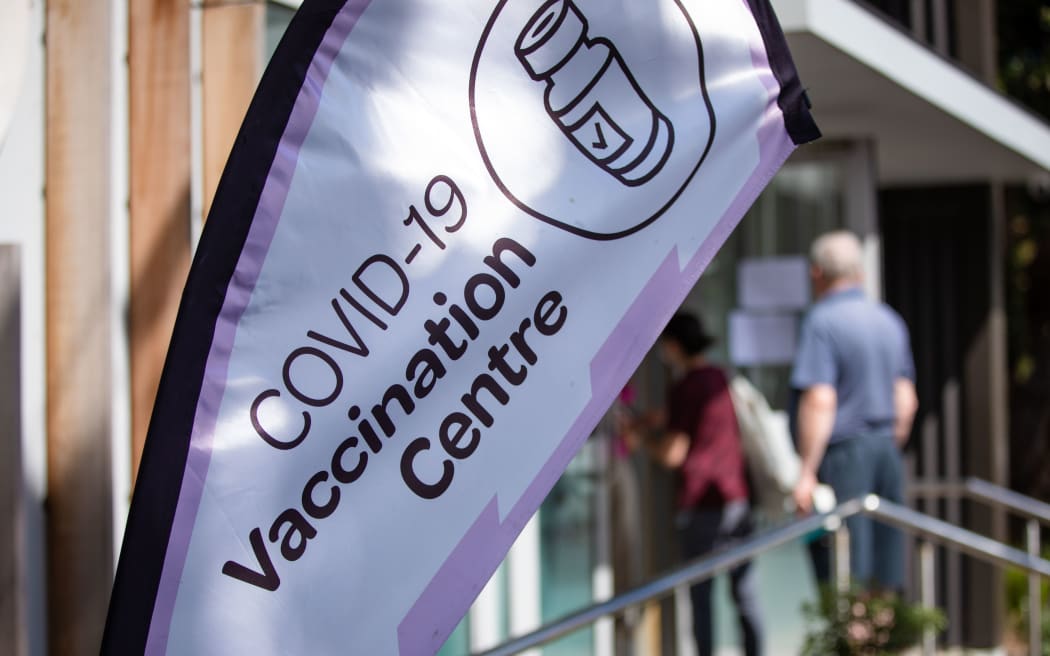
{"x":450,"y":333}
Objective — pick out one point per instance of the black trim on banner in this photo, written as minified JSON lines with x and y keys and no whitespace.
{"x":792,"y":100}
{"x":167,"y":443}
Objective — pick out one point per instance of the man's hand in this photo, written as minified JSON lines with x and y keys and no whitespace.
{"x":905,"y":405}
{"x":803,"y":493}
{"x":816,"y":418}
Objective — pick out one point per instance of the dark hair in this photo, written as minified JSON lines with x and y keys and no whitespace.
{"x":687,"y":331}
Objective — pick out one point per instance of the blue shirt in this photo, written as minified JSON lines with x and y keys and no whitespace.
{"x":861,"y":348}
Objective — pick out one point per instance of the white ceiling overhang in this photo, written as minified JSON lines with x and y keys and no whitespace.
{"x":930,"y":121}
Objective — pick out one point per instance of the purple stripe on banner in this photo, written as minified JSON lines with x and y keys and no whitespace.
{"x":238,"y":294}
{"x":428,"y":624}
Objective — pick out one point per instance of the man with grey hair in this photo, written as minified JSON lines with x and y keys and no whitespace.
{"x":854,"y":377}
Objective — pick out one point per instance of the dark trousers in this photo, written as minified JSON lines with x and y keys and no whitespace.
{"x":702,"y":531}
{"x":855,"y":467}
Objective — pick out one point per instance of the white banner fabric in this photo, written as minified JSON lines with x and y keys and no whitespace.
{"x":471,"y":223}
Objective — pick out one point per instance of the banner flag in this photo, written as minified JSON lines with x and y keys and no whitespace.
{"x":447,"y":234}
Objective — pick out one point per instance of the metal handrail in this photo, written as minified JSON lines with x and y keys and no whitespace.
{"x":1034,"y":511}
{"x":930,"y":528}
{"x":693,"y":571}
{"x":937,"y":530}
{"x":994,"y":495}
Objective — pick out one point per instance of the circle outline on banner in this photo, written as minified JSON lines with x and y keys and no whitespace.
{"x":547,"y":216}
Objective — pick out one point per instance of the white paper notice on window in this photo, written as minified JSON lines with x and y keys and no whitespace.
{"x":773,"y":283}
{"x":762,"y":339}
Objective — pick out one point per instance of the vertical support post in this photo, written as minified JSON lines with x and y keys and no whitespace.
{"x":232,"y":36}
{"x":976,"y":40}
{"x":78,"y":251}
{"x":840,"y":553}
{"x":927,"y":591}
{"x":13,"y":634}
{"x":486,"y":624}
{"x":159,"y":188}
{"x":685,"y":644}
{"x":523,"y":582}
{"x":862,"y":210}
{"x":941,"y":28}
{"x":602,"y":582}
{"x":1035,"y":601}
{"x":985,"y":406}
{"x":840,"y":565}
{"x":918,"y":19}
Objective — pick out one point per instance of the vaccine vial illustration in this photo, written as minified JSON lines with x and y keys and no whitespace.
{"x":592,"y":118}
{"x":592,"y":95}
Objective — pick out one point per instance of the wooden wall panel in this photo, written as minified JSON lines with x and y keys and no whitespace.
{"x":160,"y":137}
{"x":78,"y":301}
{"x":232,"y":44}
{"x":159,"y":115}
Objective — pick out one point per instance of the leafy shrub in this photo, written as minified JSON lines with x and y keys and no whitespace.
{"x":1016,"y":581}
{"x":863,"y":623}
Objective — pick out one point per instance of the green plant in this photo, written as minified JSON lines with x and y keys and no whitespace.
{"x":863,"y":623}
{"x":1016,"y":582}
